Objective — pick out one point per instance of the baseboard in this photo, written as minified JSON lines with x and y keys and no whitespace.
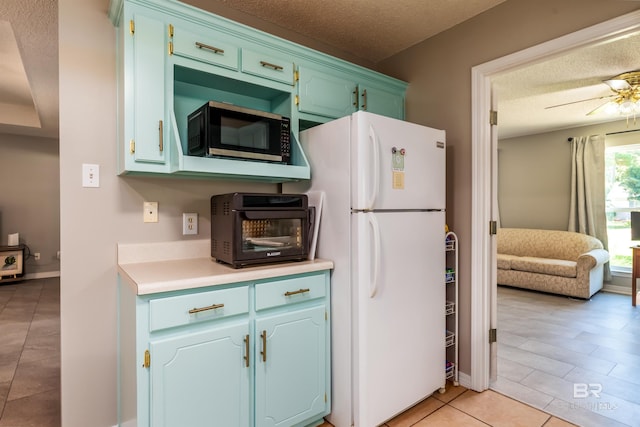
{"x":614,"y":289}
{"x":465,"y":380}
{"x":41,"y":275}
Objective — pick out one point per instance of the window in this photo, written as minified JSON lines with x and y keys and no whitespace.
{"x":622,"y":189}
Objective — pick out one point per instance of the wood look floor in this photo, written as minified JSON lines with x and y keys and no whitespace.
{"x":552,"y":348}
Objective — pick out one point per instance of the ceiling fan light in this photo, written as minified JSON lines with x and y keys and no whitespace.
{"x":627,"y":107}
{"x":611,"y":108}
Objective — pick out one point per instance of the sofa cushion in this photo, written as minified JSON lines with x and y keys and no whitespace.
{"x":554,"y":267}
{"x":553,"y":244}
{"x":504,"y":261}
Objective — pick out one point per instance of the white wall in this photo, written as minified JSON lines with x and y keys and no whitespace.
{"x":94,"y":220}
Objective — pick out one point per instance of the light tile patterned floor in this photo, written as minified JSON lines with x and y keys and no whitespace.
{"x":30,"y":353}
{"x":552,"y":348}
{"x":461,"y":407}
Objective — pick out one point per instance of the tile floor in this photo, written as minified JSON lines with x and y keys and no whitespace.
{"x":552,"y":348}
{"x":30,"y":353}
{"x":459,"y":407}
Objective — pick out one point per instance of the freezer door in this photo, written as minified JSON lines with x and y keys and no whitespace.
{"x":399,"y":312}
{"x":396,"y":164}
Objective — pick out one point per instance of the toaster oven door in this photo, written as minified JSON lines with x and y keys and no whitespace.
{"x":272,"y":236}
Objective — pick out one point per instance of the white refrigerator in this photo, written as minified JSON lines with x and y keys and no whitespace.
{"x":382,"y":224}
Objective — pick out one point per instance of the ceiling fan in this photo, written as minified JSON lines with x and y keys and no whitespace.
{"x":626,"y":95}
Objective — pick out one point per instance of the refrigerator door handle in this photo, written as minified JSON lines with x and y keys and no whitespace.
{"x":375,"y":234}
{"x":375,"y":171}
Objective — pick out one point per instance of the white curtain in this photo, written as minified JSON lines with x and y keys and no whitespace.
{"x":587,"y":210}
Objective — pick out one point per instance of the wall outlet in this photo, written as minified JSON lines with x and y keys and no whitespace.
{"x":36,"y":256}
{"x":189,"y":223}
{"x":150,"y":211}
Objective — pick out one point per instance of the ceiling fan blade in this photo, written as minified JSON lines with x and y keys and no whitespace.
{"x":603,"y":108}
{"x":576,"y":102}
{"x":617,"y":84}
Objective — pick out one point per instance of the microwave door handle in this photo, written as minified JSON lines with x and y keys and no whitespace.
{"x":375,"y":235}
{"x":374,"y":174}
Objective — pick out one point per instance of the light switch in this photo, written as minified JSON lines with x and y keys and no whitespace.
{"x":90,"y":175}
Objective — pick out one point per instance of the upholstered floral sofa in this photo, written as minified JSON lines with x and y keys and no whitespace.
{"x":560,"y":262}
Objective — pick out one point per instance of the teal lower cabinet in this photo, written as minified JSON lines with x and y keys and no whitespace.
{"x":252,"y":353}
{"x":198,"y":379}
{"x":290,"y":374}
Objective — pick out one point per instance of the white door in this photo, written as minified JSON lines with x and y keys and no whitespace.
{"x":399,"y":312}
{"x":399,"y":165}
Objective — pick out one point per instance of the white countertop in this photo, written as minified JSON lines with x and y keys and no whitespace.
{"x":171,"y":266}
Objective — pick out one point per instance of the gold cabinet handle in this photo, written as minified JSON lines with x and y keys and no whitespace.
{"x":211,"y":48}
{"x":364,"y":100}
{"x":263,"y":335}
{"x":270,"y":65}
{"x":299,"y":291}
{"x":355,"y":97}
{"x":246,"y":350}
{"x":210,"y":307}
{"x":161,"y":142}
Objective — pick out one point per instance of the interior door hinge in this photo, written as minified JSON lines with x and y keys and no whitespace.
{"x":493,"y":118}
{"x":147,"y":359}
{"x":297,"y":99}
{"x":296,"y":76}
{"x":132,"y":146}
{"x":326,"y":315}
{"x":132,"y":27}
{"x":170,"y":31}
{"x":493,"y":335}
{"x":493,"y":227}
{"x":170,"y":48}
{"x":325,"y":397}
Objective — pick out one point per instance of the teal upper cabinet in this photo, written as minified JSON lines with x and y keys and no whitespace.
{"x":173,"y":58}
{"x":330,"y":93}
{"x":203,"y":47}
{"x":142,"y":132}
{"x":325,"y":94}
{"x":383,"y":101}
{"x":268,"y":65}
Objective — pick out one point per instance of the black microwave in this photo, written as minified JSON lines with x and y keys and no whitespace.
{"x":217,"y":129}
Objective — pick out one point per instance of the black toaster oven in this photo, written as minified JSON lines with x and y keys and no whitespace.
{"x":257,"y":228}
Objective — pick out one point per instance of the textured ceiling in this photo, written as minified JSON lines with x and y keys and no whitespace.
{"x":29,"y":67}
{"x":368,"y":29}
{"x":524,"y":95}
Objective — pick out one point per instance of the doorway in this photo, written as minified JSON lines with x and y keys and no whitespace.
{"x":484,"y":165}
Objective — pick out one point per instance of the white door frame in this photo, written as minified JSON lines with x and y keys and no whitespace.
{"x":483,"y":198}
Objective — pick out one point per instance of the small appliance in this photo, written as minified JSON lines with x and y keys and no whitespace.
{"x":257,"y":228}
{"x":217,"y":129}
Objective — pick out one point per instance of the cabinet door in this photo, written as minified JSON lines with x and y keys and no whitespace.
{"x":290,"y":382}
{"x":325,"y":94}
{"x":201,"y":379}
{"x":380,"y":101}
{"x":146,"y":83}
